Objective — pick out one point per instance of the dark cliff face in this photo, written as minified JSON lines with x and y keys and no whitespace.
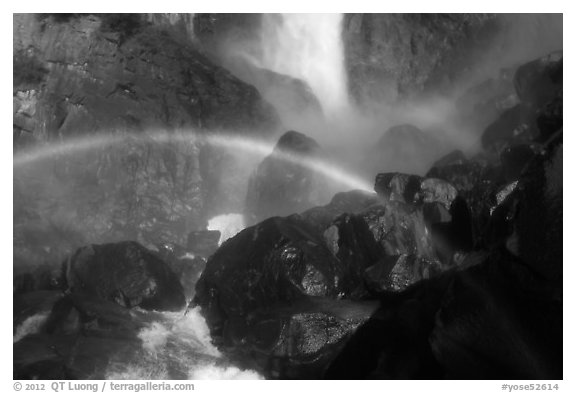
{"x":93,"y":76}
{"x":396,"y":56}
{"x":235,"y":41}
{"x":101,"y":75}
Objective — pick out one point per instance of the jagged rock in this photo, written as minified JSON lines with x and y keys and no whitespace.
{"x":477,"y":181}
{"x":397,"y":273}
{"x":253,"y":288}
{"x":515,"y":126}
{"x":101,"y":82}
{"x":483,"y":103}
{"x":497,"y":316}
{"x":187,"y":266}
{"x":353,"y":202}
{"x":150,"y":78}
{"x":550,"y":117}
{"x":538,"y":218}
{"x":280,"y":187}
{"x":481,"y":326}
{"x":125,"y":273}
{"x":538,"y":81}
{"x":466,"y":324}
{"x":297,"y":341}
{"x":293,"y":98}
{"x":436,"y":191}
{"x":278,"y":260}
{"x":217,"y":33}
{"x":351,"y":241}
{"x":391,"y":56}
{"x":400,"y":229}
{"x":456,"y":234}
{"x":398,"y":187}
{"x":514,"y":159}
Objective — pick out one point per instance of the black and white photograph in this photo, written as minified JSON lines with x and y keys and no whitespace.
{"x":287,"y":196}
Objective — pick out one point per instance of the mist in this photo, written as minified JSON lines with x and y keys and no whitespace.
{"x":311,"y":49}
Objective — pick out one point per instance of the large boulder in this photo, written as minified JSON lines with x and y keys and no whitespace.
{"x":280,"y":185}
{"x":260,"y":291}
{"x":125,"y":273}
{"x":299,"y":341}
{"x":496,"y":316}
{"x":464,"y":324}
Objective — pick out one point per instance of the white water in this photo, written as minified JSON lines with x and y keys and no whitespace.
{"x":308,"y":47}
{"x":31,"y":325}
{"x":178,"y":343}
{"x":228,"y":225}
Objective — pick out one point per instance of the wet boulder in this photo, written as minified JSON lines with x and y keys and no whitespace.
{"x":186,"y":265}
{"x":538,"y":81}
{"x":400,"y":229}
{"x":296,"y":341}
{"x":278,"y":260}
{"x":259,"y":292}
{"x":516,"y":125}
{"x":514,"y":159}
{"x":281,"y":185}
{"x":125,"y":273}
{"x":477,"y":181}
{"x":398,"y":187}
{"x":494,"y":318}
{"x":394,"y":274}
{"x":499,"y":320}
{"x":353,"y":202}
{"x":538,"y":200}
{"x":550,"y":117}
{"x":436,"y":191}
{"x":352,"y":242}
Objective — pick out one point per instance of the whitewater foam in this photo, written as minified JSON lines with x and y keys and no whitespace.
{"x":212,"y":371}
{"x":228,"y":224}
{"x":31,"y":325}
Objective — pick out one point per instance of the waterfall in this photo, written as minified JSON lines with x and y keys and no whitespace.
{"x":308,"y":47}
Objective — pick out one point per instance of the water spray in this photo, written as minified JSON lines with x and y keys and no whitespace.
{"x":250,"y":145}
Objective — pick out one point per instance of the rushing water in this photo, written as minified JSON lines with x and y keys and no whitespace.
{"x":174,"y":345}
{"x":308,"y":47}
{"x":228,"y":225}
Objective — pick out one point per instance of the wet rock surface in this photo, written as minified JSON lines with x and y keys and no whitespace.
{"x":280,"y":185}
{"x":451,"y":269}
{"x":125,"y":273}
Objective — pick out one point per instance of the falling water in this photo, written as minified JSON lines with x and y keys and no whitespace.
{"x":308,"y":47}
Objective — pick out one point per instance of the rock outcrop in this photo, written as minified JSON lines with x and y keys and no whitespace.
{"x":125,"y":273}
{"x":281,"y":185}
